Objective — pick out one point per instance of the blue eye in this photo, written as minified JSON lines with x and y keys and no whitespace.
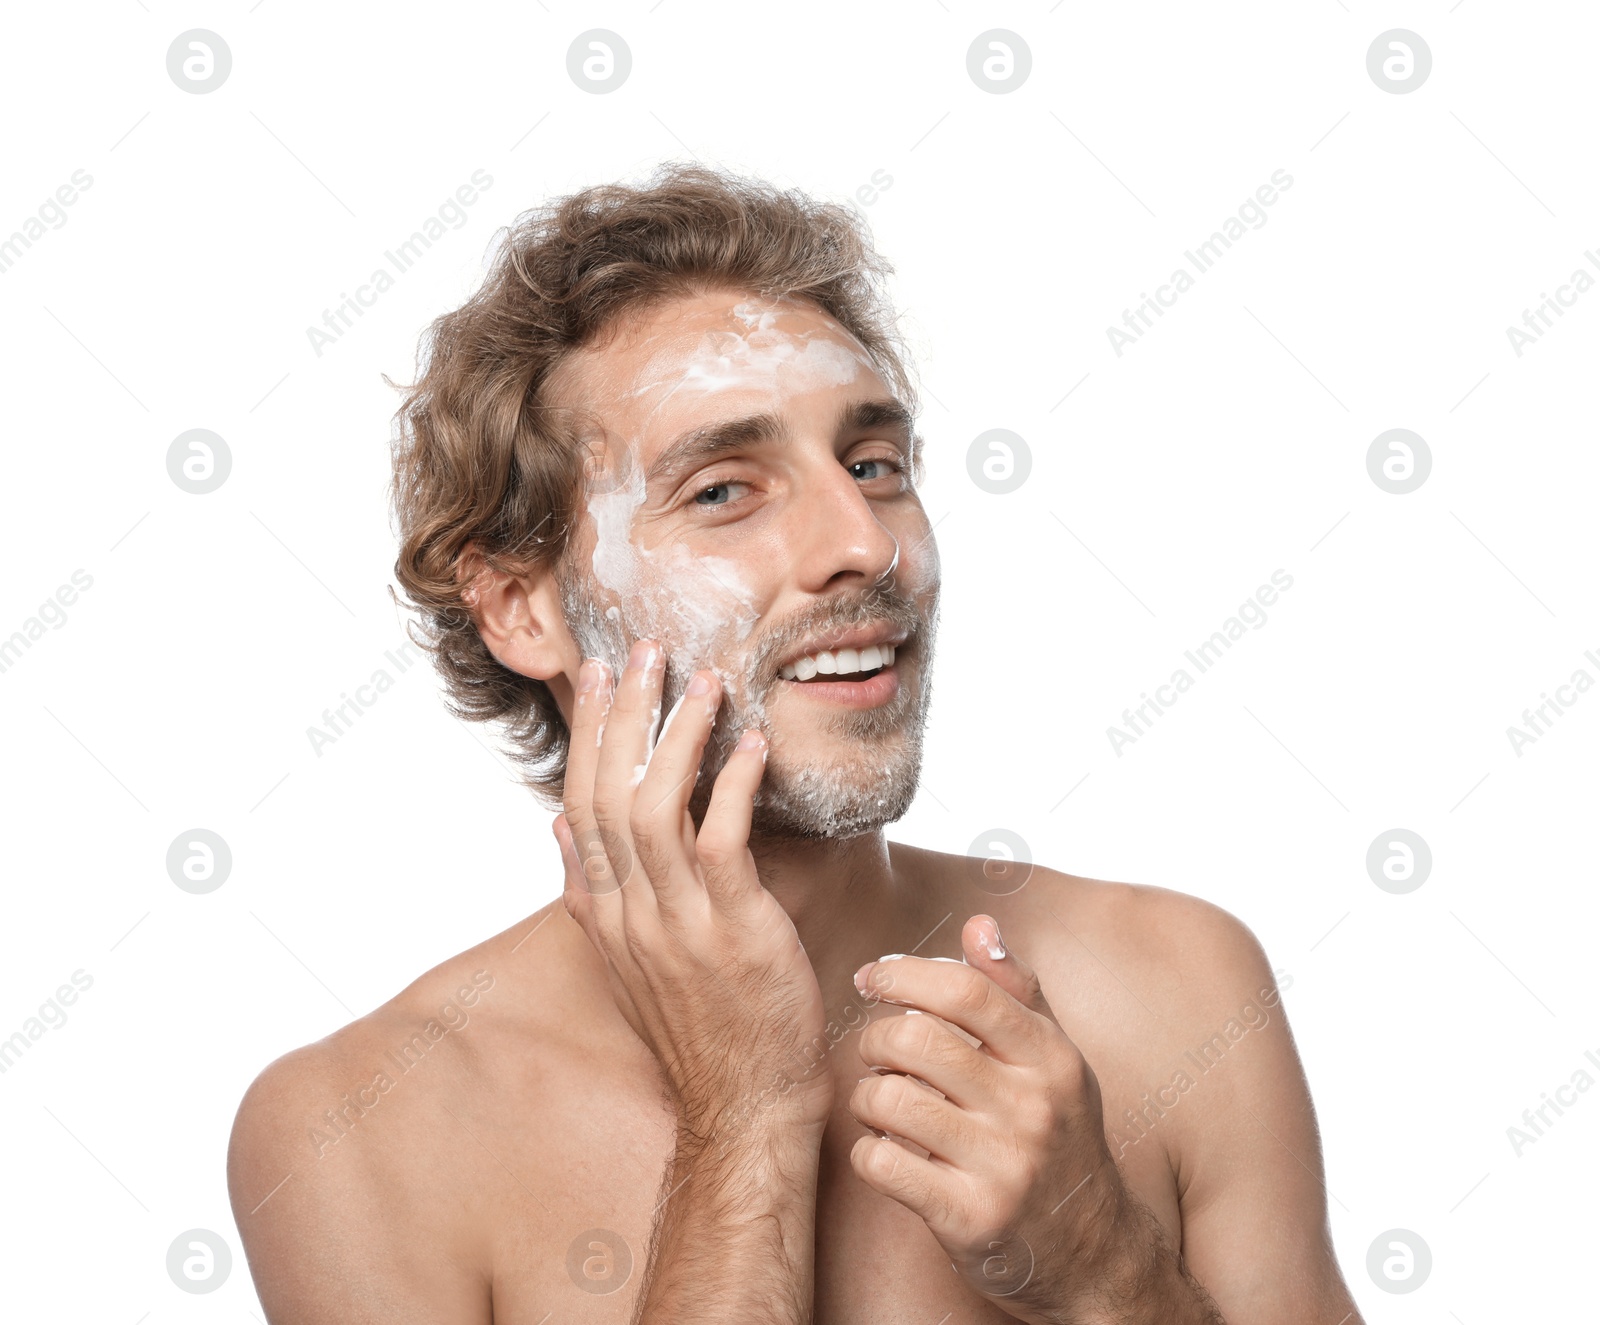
{"x":716,"y":487}
{"x":878,"y":466}
{"x":875,"y":461}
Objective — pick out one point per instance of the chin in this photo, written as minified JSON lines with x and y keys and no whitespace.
{"x":834,"y":798}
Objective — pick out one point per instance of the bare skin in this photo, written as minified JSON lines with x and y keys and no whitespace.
{"x":575,"y":1119}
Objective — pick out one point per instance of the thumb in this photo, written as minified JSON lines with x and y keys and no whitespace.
{"x":986,"y":950}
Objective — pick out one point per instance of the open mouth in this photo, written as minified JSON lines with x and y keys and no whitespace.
{"x":835,"y":677}
{"x":840,"y":665}
{"x":866,"y":678}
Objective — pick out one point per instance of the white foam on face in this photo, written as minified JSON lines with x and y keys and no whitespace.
{"x":701,"y":607}
{"x":760,"y":357}
{"x":703,"y":610}
{"x":703,"y":596}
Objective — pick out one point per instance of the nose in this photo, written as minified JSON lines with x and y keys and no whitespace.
{"x":837,"y":538}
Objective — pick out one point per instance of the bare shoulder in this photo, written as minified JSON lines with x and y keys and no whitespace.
{"x":344,"y":1164}
{"x":1186,"y":952}
{"x":1145,"y":956}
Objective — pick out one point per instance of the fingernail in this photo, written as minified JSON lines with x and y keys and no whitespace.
{"x":749,"y":740}
{"x":701,"y":685}
{"x":861,"y":977}
{"x":892,"y":956}
{"x":641,"y":655}
{"x":588,"y":676}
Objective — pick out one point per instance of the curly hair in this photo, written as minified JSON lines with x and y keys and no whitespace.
{"x":484,"y":465}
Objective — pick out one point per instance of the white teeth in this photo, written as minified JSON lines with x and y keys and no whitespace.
{"x":843,"y":662}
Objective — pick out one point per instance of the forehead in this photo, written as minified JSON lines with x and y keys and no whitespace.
{"x":692,"y":359}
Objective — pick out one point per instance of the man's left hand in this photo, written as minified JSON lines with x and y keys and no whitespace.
{"x":1019,"y":1186}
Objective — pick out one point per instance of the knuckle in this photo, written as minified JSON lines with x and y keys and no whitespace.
{"x":608,"y":807}
{"x":901,"y":1035}
{"x":712,"y":852}
{"x":603,"y":857}
{"x":874,"y":1042}
{"x":642,"y":821}
{"x":1075,"y":1075}
{"x":863,"y":1099}
{"x":905,"y":1099}
{"x":637,"y":940}
{"x":653,"y":858}
{"x":974,"y":993}
{"x":935,"y":1043}
{"x":1035,"y":1116}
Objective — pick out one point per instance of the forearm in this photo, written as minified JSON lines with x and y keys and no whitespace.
{"x":734,"y":1235}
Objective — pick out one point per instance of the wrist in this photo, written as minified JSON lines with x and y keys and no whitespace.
{"x":1137,"y":1278}
{"x":770,"y":1119}
{"x":750,"y":1136}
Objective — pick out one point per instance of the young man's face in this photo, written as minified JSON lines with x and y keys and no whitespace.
{"x":741,"y":560}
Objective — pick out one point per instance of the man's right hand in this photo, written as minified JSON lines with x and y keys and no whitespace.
{"x":703,"y":961}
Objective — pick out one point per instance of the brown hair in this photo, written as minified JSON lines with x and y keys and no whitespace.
{"x":480,"y":458}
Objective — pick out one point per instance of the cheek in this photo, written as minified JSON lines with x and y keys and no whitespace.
{"x":918,"y":570}
{"x":701,"y":607}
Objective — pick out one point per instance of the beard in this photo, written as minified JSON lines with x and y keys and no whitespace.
{"x":872,"y":778}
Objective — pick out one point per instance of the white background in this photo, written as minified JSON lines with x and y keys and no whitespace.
{"x":1172,"y":481}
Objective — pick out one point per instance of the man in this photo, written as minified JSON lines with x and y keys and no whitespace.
{"x":658,"y":502}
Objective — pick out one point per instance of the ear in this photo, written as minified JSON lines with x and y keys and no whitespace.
{"x":520,"y":620}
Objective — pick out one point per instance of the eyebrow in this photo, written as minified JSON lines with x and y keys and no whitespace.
{"x":694,"y":448}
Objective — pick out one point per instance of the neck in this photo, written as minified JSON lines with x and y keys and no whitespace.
{"x":847,"y":903}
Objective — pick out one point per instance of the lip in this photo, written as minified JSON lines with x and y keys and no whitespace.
{"x":858,"y":638}
{"x":878,"y":689}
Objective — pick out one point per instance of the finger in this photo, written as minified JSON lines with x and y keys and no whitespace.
{"x":593,"y":865}
{"x":924,"y":1187}
{"x":986,"y":950}
{"x":663,"y":831}
{"x":928,"y":1050}
{"x":575,"y":889}
{"x":723,"y":844}
{"x":965,"y":997}
{"x":594,"y":848}
{"x":624,"y":747}
{"x":915,"y":1113}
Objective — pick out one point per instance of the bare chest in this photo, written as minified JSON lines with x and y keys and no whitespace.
{"x":566,"y":1212}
